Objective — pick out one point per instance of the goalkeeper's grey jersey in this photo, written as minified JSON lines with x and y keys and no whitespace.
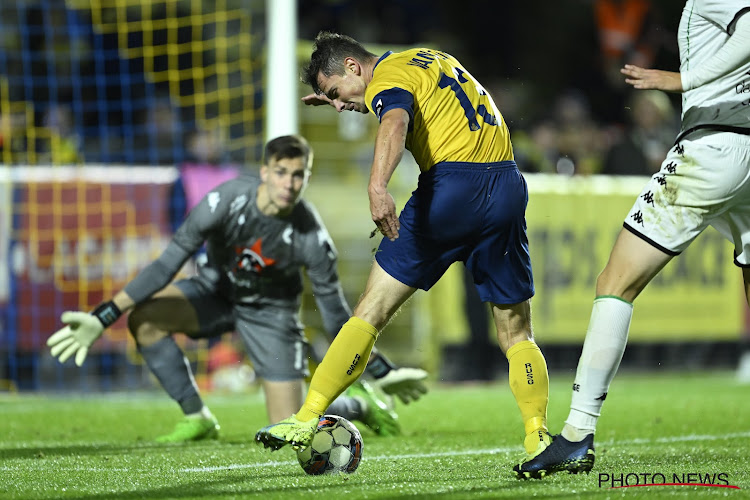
{"x":253,"y":258}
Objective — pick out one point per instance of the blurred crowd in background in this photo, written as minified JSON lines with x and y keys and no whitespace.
{"x":157,"y":82}
{"x":552,"y":68}
{"x":182,"y":83}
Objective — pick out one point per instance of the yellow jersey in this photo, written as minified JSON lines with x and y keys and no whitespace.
{"x":453,"y":118}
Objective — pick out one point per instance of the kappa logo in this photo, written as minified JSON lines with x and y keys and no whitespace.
{"x":378,"y":107}
{"x":213,"y":200}
{"x":638,"y":217}
{"x":648,"y":197}
{"x":237,"y":203}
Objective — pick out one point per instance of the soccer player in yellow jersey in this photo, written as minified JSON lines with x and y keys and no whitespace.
{"x":469,"y":206}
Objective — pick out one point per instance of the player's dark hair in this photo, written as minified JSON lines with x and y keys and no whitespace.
{"x":288,"y":146}
{"x":329,"y":51}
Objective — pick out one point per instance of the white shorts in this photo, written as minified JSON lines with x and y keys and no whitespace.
{"x":704,"y":181}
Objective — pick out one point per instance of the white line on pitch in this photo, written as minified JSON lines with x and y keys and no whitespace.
{"x":489,"y":451}
{"x":492,"y":451}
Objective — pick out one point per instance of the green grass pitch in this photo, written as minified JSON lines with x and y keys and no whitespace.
{"x":460,"y":441}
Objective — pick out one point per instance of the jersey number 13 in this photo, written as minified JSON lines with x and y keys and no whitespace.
{"x":471,"y":114}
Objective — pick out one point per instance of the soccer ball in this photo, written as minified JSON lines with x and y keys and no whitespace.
{"x":336,"y":447}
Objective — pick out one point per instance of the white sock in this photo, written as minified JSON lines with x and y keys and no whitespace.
{"x":602,"y":352}
{"x":203,"y":413}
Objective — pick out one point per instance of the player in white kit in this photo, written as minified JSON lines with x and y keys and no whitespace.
{"x":704,"y":181}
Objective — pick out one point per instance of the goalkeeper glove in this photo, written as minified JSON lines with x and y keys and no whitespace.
{"x":80,"y":331}
{"x":405,"y":383}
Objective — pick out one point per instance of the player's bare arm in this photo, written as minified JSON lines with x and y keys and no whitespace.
{"x":82,"y":329}
{"x":644,"y":79}
{"x":390,"y":144}
{"x":338,"y":105}
{"x":317,"y":100}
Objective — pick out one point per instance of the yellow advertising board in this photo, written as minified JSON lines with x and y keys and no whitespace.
{"x":572,"y":224}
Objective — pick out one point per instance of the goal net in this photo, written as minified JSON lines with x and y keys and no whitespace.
{"x":102,"y":104}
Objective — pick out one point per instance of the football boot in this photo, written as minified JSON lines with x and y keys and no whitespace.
{"x":290,"y":431}
{"x":192,"y":428}
{"x":377,"y":415}
{"x":560,"y":456}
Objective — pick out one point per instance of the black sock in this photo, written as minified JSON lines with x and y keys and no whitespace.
{"x":379,"y":365}
{"x":172,"y":370}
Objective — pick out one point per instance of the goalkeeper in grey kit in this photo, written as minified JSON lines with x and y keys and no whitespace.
{"x":259,"y":235}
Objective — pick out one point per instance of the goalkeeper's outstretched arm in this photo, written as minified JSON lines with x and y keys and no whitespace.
{"x":83,"y":328}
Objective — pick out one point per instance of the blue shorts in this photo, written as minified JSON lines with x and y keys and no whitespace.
{"x":473,"y":213}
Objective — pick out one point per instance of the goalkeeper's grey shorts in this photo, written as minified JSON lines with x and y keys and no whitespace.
{"x":273,"y":336}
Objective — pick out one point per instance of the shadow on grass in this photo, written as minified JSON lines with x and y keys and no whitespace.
{"x":501,"y":492}
{"x":292,"y":486}
{"x":42,"y":452}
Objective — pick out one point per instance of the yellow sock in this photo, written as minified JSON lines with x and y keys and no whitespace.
{"x":342,"y":365}
{"x":529,"y":382}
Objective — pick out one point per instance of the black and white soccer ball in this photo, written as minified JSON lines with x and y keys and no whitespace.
{"x":336,"y":447}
